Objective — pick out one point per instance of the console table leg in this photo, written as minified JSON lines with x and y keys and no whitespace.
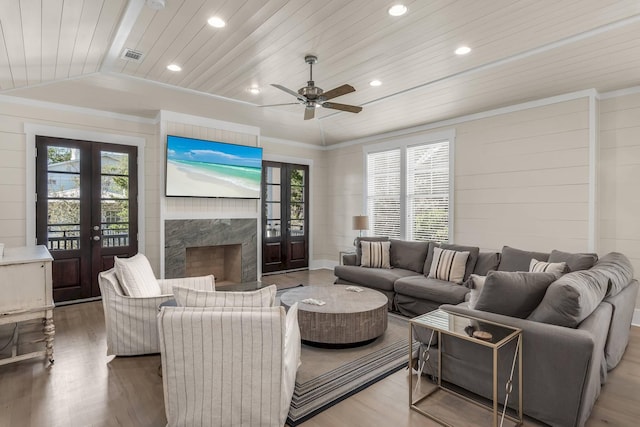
{"x":49,"y":332}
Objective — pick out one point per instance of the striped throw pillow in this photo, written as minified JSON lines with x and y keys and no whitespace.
{"x":448,"y":265}
{"x":557,"y":268}
{"x":136,"y":276}
{"x":375,"y":254}
{"x":186,"y":297}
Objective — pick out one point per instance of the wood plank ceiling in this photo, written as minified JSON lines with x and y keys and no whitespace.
{"x":521,"y":50}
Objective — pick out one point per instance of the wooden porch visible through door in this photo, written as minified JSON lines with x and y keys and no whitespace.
{"x":285,"y":216}
{"x":86,"y":210}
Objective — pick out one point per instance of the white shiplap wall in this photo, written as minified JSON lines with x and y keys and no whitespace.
{"x":619,"y":175}
{"x":522,"y":179}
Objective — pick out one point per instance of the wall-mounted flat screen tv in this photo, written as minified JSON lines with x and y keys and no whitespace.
{"x":199,"y":168}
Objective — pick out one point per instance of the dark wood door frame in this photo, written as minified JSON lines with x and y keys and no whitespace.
{"x":285,"y":237}
{"x":93,"y":246}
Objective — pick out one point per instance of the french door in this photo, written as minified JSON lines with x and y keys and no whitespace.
{"x":86,"y":210}
{"x":285,"y":216}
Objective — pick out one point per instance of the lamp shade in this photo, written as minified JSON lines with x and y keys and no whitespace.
{"x":360,"y":222}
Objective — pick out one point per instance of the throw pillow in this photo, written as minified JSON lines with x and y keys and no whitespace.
{"x":408,"y":255}
{"x":514,"y":294}
{"x":575,"y":262}
{"x":476,"y":283}
{"x":571,"y":298}
{"x":513,"y":259}
{"x":187,"y":297}
{"x":136,"y":276}
{"x":359,"y":241}
{"x":487,"y":261}
{"x":472,"y":259}
{"x":448,"y":265}
{"x":375,"y":254}
{"x":557,"y":268}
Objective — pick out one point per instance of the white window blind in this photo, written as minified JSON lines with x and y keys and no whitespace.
{"x":428,"y":192}
{"x":408,"y":192}
{"x":383,"y":193}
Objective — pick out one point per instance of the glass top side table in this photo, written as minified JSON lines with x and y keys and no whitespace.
{"x":480,"y":332}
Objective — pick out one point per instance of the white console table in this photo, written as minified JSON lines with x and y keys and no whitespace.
{"x":25,"y":294}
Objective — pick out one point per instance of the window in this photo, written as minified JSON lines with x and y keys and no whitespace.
{"x":408,"y":190}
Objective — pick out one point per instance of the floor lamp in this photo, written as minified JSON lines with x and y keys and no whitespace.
{"x":360,"y":222}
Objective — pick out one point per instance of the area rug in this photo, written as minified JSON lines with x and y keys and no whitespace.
{"x":328,"y":376}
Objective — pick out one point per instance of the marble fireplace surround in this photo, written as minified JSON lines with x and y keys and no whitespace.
{"x":183,"y":233}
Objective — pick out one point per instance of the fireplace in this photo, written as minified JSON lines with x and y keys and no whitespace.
{"x":226,"y":248}
{"x":223,"y":261}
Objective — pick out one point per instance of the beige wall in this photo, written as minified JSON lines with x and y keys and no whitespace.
{"x":522,"y":179}
{"x":619,"y":176}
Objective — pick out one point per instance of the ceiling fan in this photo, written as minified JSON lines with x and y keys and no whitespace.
{"x":311,"y":96}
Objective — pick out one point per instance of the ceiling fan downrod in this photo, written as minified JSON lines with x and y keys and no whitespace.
{"x":311,"y":59}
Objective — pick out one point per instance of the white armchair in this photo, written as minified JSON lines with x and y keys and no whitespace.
{"x":131,"y":322}
{"x":228,"y":366}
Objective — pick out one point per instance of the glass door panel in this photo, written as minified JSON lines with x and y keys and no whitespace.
{"x":114,"y":199}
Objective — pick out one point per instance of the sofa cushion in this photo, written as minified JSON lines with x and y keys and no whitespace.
{"x":487,"y":261}
{"x":366,"y":239}
{"x":571,"y":298}
{"x":376,"y":278}
{"x":136,"y":276}
{"x":448,"y":265}
{"x":557,"y":268}
{"x":513,"y":259}
{"x":187,"y":297}
{"x":375,"y":254}
{"x":424,"y":288}
{"x":575,"y":261}
{"x":514,"y":294}
{"x":408,"y":255}
{"x":618,"y":270}
{"x":471,"y":261}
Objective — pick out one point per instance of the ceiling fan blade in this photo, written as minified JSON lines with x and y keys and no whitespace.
{"x":339,"y":91}
{"x":309,"y":112}
{"x":277,"y":105}
{"x":342,"y":107}
{"x":290,"y":92}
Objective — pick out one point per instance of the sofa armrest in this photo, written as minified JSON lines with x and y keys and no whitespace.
{"x":349,"y":259}
{"x":561,"y":366}
{"x":200,"y":283}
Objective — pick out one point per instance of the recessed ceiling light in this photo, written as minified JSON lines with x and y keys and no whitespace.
{"x":397,"y":10}
{"x":254,"y":90}
{"x":216,"y":22}
{"x":174,"y":67}
{"x":463,"y":50}
{"x":375,"y":83}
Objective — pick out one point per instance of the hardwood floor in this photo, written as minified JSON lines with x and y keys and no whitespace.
{"x":87,"y":388}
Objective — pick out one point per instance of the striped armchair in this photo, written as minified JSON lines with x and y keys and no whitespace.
{"x":131,"y":322}
{"x":228,"y":366}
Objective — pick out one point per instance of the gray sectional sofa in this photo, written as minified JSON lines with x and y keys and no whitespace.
{"x":572,"y":338}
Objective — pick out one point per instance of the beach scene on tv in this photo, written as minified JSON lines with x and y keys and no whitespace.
{"x":198,"y":168}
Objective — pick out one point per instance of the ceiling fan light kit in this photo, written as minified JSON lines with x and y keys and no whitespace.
{"x":312,"y":96}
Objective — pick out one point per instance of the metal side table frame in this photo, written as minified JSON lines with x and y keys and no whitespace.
{"x":445,"y":323}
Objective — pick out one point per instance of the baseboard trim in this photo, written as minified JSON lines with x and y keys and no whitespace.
{"x":319,"y":264}
{"x":636,"y":317}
